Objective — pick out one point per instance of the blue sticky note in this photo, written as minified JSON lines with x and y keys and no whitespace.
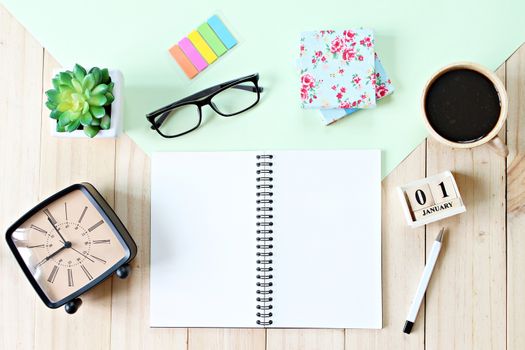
{"x":384,"y":88}
{"x":222,"y":32}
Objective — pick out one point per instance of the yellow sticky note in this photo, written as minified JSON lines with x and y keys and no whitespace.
{"x":201,"y":46}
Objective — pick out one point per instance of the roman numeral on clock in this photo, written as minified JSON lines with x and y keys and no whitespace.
{"x":96,"y":225}
{"x":88,"y":275}
{"x":36,"y":228}
{"x":36,"y":246}
{"x":51,"y":218}
{"x":70,"y":278}
{"x":101,"y":241}
{"x":82,"y":215}
{"x":53,"y":274}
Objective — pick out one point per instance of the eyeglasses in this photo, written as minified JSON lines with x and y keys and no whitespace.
{"x":227,"y":99}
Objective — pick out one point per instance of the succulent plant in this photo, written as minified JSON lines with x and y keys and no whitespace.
{"x":81,"y":99}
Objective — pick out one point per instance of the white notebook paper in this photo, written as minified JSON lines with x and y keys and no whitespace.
{"x":266,"y":239}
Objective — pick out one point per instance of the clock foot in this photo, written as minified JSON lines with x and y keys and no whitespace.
{"x":123,"y":271}
{"x":72,"y":306}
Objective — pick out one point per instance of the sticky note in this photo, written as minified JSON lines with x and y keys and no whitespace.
{"x":212,"y":39}
{"x":222,"y":32}
{"x":183,"y":61}
{"x":191,"y":52}
{"x":201,"y":46}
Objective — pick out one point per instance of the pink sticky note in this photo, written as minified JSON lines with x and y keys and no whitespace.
{"x":191,"y":52}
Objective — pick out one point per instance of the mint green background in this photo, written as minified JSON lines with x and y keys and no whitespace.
{"x":413,"y":39}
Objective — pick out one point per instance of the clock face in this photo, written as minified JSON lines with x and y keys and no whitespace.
{"x":67,"y":244}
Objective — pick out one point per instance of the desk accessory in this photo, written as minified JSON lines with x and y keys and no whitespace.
{"x":86,"y":103}
{"x":202,"y":46}
{"x":266,"y":239}
{"x":430,"y":199}
{"x":337,"y":68}
{"x":227,"y":99}
{"x":69,"y":243}
{"x":383,"y":88}
{"x":465,"y":105}
{"x":423,"y":282}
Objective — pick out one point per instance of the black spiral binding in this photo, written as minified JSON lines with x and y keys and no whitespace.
{"x":264,"y":239}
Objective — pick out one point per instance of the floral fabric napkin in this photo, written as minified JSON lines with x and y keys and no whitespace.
{"x":383,"y":88}
{"x":337,"y":69}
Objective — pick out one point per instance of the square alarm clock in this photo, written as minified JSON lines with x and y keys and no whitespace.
{"x":70,"y":243}
{"x":430,"y":199}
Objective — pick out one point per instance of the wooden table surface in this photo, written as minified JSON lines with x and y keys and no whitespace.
{"x":476,"y":299}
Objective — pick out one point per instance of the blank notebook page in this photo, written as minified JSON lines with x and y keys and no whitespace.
{"x":326,"y":247}
{"x":327,"y":242}
{"x":202,"y":240}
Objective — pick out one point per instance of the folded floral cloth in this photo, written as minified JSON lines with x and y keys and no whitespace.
{"x":383,"y":87}
{"x":337,"y":69}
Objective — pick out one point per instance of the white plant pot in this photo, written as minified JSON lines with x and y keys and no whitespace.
{"x":117,"y":112}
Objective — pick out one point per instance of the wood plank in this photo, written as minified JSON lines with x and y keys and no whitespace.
{"x":403,"y":259}
{"x":466,"y":298}
{"x":516,"y":200}
{"x":63,"y":162}
{"x":227,"y":339}
{"x":20,"y":105}
{"x":130,"y":303}
{"x":305,"y":339}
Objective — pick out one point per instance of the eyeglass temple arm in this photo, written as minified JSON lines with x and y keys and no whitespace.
{"x":203,"y":93}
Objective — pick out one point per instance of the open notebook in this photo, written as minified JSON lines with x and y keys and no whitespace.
{"x":266,"y":239}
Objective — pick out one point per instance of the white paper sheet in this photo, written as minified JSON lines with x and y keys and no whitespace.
{"x":327,"y":239}
{"x":202,"y":240}
{"x":327,"y":242}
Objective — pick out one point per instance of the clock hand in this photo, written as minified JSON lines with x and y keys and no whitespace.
{"x":85,"y":256}
{"x":56,"y":229}
{"x":66,"y":245}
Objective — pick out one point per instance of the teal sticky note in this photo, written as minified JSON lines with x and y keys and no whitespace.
{"x":222,"y":32}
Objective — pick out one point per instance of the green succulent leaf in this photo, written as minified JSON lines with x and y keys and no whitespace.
{"x":97,"y":100}
{"x":96,"y":74}
{"x":91,"y":131}
{"x":65,"y":78}
{"x":105,"y":78}
{"x":97,"y":111}
{"x":110,"y":87}
{"x":110,"y":98}
{"x":95,"y":122}
{"x":51,"y":105}
{"x":77,"y":85}
{"x":105,"y":122}
{"x":60,"y":128}
{"x":85,"y":108}
{"x":73,"y":125}
{"x":64,"y":106}
{"x":56,"y":82}
{"x":79,"y":72}
{"x":100,"y":89}
{"x":89,"y":82}
{"x":52,"y":95}
{"x":55,"y":114}
{"x":86,"y":119}
{"x":64,"y":119}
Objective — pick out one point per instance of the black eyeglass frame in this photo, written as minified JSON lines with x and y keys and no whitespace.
{"x":203,"y":98}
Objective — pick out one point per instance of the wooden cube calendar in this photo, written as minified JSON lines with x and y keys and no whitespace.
{"x":430,"y":199}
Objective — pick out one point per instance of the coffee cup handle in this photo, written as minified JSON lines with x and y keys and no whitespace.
{"x":499,"y":147}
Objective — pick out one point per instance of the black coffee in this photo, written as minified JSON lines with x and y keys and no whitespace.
{"x":462,"y":105}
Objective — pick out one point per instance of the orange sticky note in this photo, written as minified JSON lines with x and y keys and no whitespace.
{"x":203,"y":48}
{"x":183,"y":61}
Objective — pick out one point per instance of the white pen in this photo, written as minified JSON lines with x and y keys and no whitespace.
{"x":423,"y":283}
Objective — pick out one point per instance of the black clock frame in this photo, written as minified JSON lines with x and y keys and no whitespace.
{"x":109,"y":217}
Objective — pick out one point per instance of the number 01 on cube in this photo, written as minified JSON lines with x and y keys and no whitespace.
{"x":430,"y":199}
